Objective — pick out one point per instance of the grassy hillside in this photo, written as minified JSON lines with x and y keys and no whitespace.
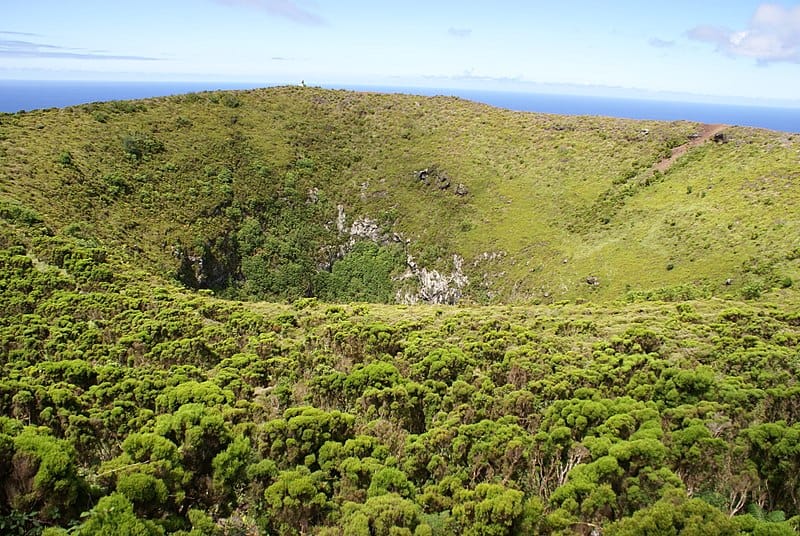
{"x":238,"y":191}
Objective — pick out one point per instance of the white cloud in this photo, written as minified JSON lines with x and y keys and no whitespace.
{"x":773,"y":35}
{"x":288,"y":9}
{"x":459,"y":32}
{"x":27,"y":34}
{"x":661,"y":43}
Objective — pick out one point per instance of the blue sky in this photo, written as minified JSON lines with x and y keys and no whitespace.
{"x":718,"y":48}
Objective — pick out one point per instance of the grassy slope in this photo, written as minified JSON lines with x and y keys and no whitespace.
{"x":539,"y":186}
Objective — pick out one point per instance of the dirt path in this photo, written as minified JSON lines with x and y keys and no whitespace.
{"x":706,"y":133}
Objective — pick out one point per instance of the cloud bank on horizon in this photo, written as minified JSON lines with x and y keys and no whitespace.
{"x":773,"y":35}
{"x":18,"y":48}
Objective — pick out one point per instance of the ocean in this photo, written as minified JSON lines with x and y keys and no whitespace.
{"x":773,"y":118}
{"x":16,"y":95}
{"x":29,"y":95}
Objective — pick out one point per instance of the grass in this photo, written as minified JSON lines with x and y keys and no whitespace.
{"x":543,"y":189}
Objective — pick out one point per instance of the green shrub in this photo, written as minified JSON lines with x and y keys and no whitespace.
{"x":752,"y":291}
{"x":142,"y":490}
{"x":16,"y":212}
{"x":17,"y":523}
{"x":49,"y":482}
{"x":231,"y":100}
{"x":65,"y":158}
{"x":140,"y":145}
{"x":364,"y":274}
{"x":114,"y":515}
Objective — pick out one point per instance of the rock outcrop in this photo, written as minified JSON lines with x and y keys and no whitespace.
{"x":362,"y":228}
{"x":433,"y":286}
{"x":433,"y":176}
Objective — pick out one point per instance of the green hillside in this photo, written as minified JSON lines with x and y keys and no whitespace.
{"x":240,"y":192}
{"x":198,"y":334}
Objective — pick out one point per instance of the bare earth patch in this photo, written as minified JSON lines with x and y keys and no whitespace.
{"x":706,"y":133}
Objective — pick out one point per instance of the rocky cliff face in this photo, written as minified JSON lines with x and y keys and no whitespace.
{"x":209,"y":267}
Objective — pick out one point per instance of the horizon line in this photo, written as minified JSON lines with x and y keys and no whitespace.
{"x":534,"y":88}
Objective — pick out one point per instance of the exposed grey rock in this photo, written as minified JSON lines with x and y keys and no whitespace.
{"x":341,"y":218}
{"x":364,"y":228}
{"x":361,"y":229}
{"x":367,"y":228}
{"x":488,"y":256}
{"x":433,"y":286}
{"x":440,"y":179}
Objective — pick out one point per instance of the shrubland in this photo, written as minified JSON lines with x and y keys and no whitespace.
{"x":133,"y":405}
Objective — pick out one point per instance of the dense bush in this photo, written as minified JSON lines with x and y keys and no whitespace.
{"x":364,"y":274}
{"x":132,"y":406}
{"x":140,"y":145}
